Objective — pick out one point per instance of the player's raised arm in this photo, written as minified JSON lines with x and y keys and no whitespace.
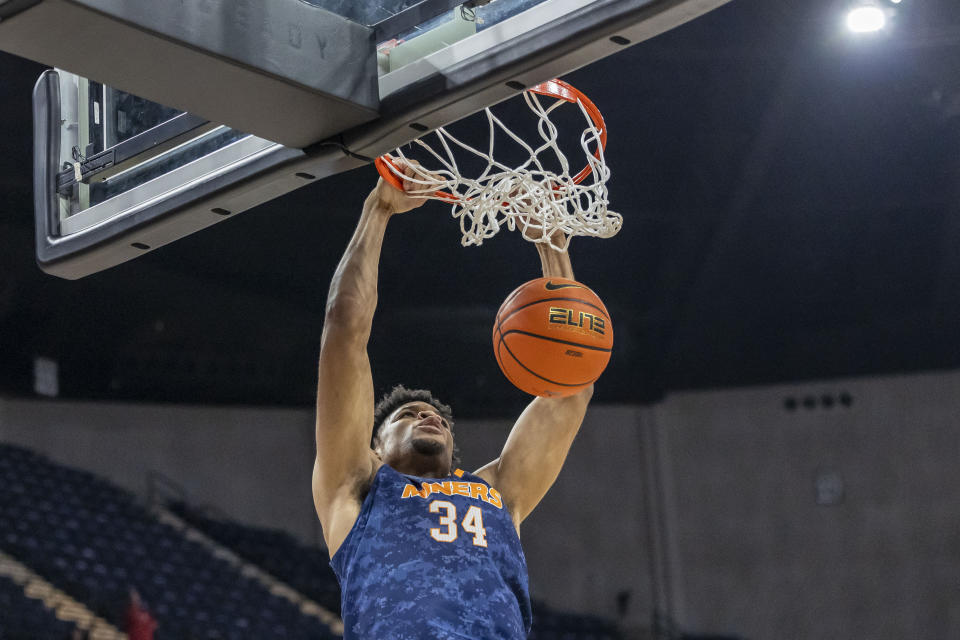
{"x":539,"y":441}
{"x":345,"y":400}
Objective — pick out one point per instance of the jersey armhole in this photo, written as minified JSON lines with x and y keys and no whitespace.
{"x":339,"y":561}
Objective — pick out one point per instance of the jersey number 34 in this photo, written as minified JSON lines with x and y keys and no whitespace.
{"x":447,"y":531}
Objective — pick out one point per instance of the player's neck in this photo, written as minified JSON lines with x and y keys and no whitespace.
{"x":421,"y":466}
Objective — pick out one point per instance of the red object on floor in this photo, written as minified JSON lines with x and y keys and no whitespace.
{"x":140,"y":625}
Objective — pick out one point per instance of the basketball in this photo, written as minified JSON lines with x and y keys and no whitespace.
{"x":552,"y":337}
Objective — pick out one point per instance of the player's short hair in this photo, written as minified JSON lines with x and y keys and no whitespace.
{"x":401,"y":395}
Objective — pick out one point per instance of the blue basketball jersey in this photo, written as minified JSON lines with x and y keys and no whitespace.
{"x":432,"y":559}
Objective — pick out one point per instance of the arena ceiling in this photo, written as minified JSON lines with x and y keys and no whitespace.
{"x":791,"y":196}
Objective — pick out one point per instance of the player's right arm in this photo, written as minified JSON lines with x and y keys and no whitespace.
{"x":345,"y":462}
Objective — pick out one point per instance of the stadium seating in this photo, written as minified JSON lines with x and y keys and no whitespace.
{"x":23,"y":618}
{"x":92,"y":540}
{"x":305,"y":568}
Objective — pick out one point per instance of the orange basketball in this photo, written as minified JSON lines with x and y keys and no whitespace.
{"x":552,"y":337}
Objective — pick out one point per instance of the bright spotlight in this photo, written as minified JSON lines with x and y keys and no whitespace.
{"x":866,"y":18}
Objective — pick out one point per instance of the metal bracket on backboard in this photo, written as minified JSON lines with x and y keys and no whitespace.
{"x":154,"y":140}
{"x":411,"y":17}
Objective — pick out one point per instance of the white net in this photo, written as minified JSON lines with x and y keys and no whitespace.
{"x":548,"y":206}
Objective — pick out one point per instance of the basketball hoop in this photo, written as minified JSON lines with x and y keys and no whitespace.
{"x":539,"y":201}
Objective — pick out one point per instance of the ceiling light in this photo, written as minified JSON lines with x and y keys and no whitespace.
{"x":866,"y":18}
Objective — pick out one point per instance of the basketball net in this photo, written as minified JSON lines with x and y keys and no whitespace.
{"x":547,"y":206}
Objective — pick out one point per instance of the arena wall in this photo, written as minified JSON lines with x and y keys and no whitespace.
{"x":827,"y":521}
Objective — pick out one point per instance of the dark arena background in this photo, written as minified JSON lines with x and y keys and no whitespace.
{"x":771,"y":453}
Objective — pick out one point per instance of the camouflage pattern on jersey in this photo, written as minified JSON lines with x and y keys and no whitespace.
{"x":433,"y":559}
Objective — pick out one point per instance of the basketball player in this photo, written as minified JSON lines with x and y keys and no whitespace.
{"x":422,"y":550}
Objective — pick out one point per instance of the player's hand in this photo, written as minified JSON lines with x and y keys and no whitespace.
{"x":531,"y":226}
{"x":394,"y":200}
{"x":533,"y":230}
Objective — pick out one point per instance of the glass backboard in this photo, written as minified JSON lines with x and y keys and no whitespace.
{"x":117,"y":145}
{"x":131,"y":152}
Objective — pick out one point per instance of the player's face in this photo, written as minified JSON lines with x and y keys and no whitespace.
{"x":417,"y":427}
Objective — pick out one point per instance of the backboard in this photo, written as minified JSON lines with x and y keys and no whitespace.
{"x":157,"y":121}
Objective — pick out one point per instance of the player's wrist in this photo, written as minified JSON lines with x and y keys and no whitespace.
{"x":374,"y":205}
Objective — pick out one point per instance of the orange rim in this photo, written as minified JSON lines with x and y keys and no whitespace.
{"x":551,"y":88}
{"x":563,"y":91}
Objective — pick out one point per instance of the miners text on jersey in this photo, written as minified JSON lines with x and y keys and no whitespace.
{"x":475,"y":490}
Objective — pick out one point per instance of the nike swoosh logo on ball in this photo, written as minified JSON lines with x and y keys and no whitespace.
{"x":552,"y":287}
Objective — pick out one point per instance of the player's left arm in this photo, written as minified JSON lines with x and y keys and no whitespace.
{"x":539,"y":441}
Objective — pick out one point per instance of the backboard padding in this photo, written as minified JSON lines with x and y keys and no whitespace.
{"x":325,"y":88}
